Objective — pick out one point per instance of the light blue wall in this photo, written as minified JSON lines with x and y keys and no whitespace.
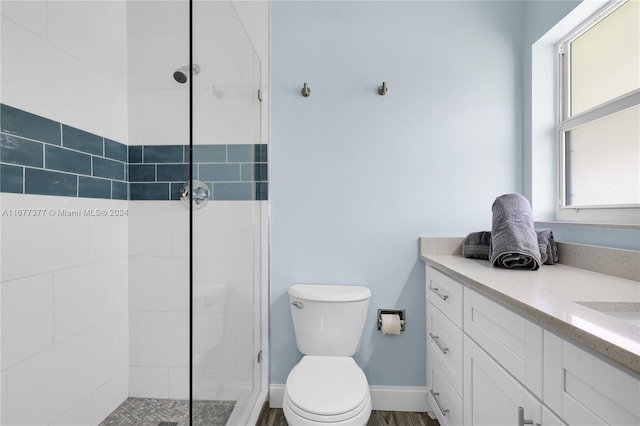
{"x":356,"y":178}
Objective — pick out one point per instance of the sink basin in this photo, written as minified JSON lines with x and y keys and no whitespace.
{"x":625,"y":311}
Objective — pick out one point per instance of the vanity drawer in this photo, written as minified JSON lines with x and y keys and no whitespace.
{"x":444,"y":344}
{"x":446,"y":294}
{"x":443,"y":399}
{"x":514,"y":342}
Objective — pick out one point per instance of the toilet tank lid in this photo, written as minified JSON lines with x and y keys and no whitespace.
{"x":330,"y":293}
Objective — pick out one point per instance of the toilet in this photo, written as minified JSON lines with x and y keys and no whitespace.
{"x":327,"y":386}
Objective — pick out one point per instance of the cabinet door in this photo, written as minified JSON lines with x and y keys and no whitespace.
{"x":586,"y":390}
{"x":492,"y":397}
{"x":509,"y":338}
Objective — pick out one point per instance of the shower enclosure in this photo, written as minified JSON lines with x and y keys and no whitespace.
{"x":133,"y":215}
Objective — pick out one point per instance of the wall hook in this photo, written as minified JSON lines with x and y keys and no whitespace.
{"x":305,"y":91}
{"x":382,"y":90}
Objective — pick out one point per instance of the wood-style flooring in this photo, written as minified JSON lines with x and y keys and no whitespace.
{"x":275,"y":417}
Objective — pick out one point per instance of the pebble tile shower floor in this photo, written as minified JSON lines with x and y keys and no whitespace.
{"x":169,"y":412}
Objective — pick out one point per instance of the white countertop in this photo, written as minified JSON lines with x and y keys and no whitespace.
{"x":548,"y":296}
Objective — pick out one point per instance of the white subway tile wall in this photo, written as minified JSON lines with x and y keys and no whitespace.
{"x":88,"y":71}
{"x":226,"y":265}
{"x":64,"y":304}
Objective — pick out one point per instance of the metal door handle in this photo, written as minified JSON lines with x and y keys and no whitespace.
{"x":435,"y":395}
{"x":440,"y":295}
{"x":436,"y":339}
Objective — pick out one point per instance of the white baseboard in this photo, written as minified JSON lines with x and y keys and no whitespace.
{"x":399,"y":398}
{"x":276,"y":395}
{"x":383,"y":398}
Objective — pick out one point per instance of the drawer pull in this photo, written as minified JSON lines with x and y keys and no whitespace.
{"x":435,"y":395}
{"x":436,"y":339}
{"x":440,"y":295}
{"x":522,"y":421}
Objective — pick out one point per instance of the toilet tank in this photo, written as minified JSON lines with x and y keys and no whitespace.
{"x":328,"y":319}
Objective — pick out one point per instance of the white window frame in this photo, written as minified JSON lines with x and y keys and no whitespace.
{"x":602,"y":214}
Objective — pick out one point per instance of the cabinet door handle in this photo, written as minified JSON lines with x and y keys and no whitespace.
{"x":521,"y":420}
{"x":436,"y":339}
{"x":435,"y":395}
{"x":440,"y":295}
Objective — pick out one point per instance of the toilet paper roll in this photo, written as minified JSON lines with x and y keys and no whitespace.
{"x":391,"y":324}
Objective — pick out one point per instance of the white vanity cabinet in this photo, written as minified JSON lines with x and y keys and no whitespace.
{"x":489,"y":365}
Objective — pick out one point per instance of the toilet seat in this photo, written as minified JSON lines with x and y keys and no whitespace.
{"x":363,"y":411}
{"x":327,"y":389}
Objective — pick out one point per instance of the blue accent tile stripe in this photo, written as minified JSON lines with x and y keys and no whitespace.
{"x":207,"y":154}
{"x":66,"y":160}
{"x":103,"y":167}
{"x":225,"y":172}
{"x":15,"y":150}
{"x":260,"y":153}
{"x":247,"y":172}
{"x":82,"y":141}
{"x":142,"y":173}
{"x":163,"y":154}
{"x":173,"y":172}
{"x":21,"y":123}
{"x":11,"y":179}
{"x":119,"y":190}
{"x":115,"y":150}
{"x":260,"y":172}
{"x":135,"y":154}
{"x":176,"y":191}
{"x":45,"y":182}
{"x":149,"y":191}
{"x":233,"y":191}
{"x":93,"y":188}
{"x":41,"y":156}
{"x":261,"y":191}
{"x":240,"y":153}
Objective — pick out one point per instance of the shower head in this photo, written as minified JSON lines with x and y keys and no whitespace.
{"x":181,"y":75}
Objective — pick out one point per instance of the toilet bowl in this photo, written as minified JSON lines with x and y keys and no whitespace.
{"x":327,"y":386}
{"x":322,"y":390}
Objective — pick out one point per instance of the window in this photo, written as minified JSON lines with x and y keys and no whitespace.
{"x":599,"y":118}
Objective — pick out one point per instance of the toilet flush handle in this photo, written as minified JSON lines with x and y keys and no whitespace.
{"x":298,"y":305}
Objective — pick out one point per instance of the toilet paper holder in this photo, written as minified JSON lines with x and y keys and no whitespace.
{"x":399,"y":312}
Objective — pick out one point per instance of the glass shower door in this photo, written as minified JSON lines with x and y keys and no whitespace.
{"x":229,"y":164}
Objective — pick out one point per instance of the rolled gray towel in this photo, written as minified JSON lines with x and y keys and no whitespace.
{"x":548,"y":247}
{"x":514,"y":243}
{"x":476,"y":245}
